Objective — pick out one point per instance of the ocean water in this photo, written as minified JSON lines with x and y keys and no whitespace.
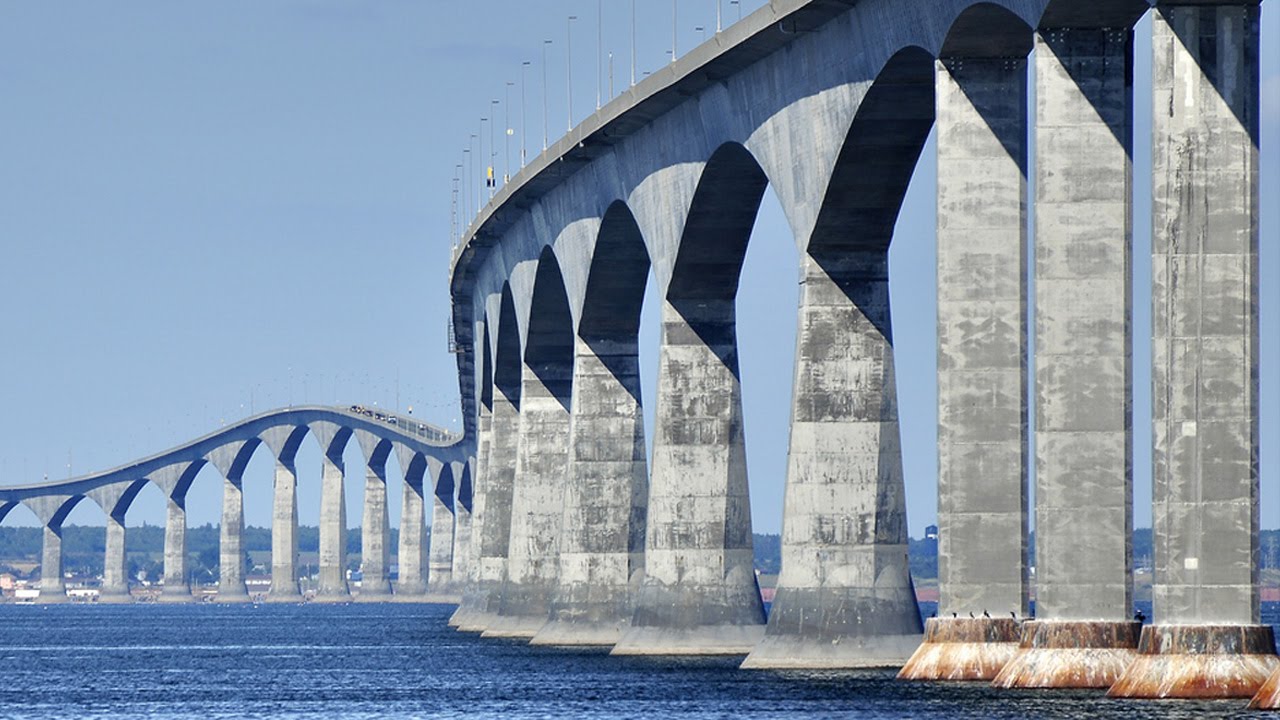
{"x":402,"y":661}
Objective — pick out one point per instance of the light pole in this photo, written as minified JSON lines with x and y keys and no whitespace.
{"x":493,"y":150}
{"x":507,"y":132}
{"x":524,"y":143}
{"x":599,"y":50}
{"x":457,"y":204}
{"x":633,"y":42}
{"x":718,"y":15}
{"x":545,"y":121}
{"x":484,"y":177}
{"x":675,"y":29}
{"x":568,"y":66}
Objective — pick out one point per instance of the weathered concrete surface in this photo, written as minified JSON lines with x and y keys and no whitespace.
{"x":844,"y":597}
{"x":284,"y":535}
{"x":177,"y":587}
{"x":332,"y":586}
{"x":982,"y":335}
{"x":462,"y":533}
{"x":969,"y":649}
{"x":375,"y":525}
{"x":53,"y":588}
{"x":537,"y":504}
{"x":443,"y":586}
{"x":472,"y":525}
{"x":699,"y":594}
{"x":1199,"y":661}
{"x":605,"y":501}
{"x":492,"y":516}
{"x":231,"y":587}
{"x":115,"y":579}
{"x":1084,"y":366}
{"x":1205,"y":317}
{"x":1071,"y":654}
{"x":411,"y":583}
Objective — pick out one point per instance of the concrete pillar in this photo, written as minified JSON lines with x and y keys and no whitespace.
{"x":115,"y":575}
{"x":982,"y":355}
{"x":440,"y":577}
{"x":375,"y":582}
{"x":462,"y":532}
{"x":52,"y":587}
{"x":844,"y":597}
{"x":491,"y":532}
{"x":537,"y":503}
{"x":177,"y":586}
{"x":1205,"y":351}
{"x":284,"y":535}
{"x":699,"y":594}
{"x":231,"y":587}
{"x":605,"y":500}
{"x":333,"y":530}
{"x":1082,"y":636}
{"x":412,"y":583}
{"x":469,"y":533}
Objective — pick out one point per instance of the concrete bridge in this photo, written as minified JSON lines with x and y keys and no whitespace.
{"x":576,"y":539}
{"x":434,"y":463}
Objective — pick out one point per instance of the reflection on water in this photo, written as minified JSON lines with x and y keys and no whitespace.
{"x":400,"y":661}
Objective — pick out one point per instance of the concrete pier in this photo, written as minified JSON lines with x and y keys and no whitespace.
{"x":963,"y":649}
{"x":333,"y":585}
{"x":284,"y":535}
{"x":440,"y":581}
{"x":53,"y":588}
{"x":411,"y":584}
{"x":982,"y":340}
{"x":699,"y":595}
{"x":231,"y":587}
{"x":844,"y":597}
{"x":1207,"y":641}
{"x":474,"y":596}
{"x":463,"y":548}
{"x":1084,"y":364}
{"x":606,"y":498}
{"x":115,"y":576}
{"x":375,"y":526}
{"x":177,"y":586}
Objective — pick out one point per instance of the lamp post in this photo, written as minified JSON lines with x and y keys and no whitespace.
{"x":524,"y":143}
{"x":568,"y":65}
{"x":507,"y":132}
{"x":675,"y":29}
{"x":492,"y":176}
{"x":545,"y":43}
{"x":633,"y":42}
{"x":719,"y":27}
{"x":599,"y":50}
{"x":484,"y":178}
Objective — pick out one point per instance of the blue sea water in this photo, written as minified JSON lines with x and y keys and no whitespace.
{"x":402,"y":661}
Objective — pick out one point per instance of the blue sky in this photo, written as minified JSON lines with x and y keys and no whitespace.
{"x":208,"y":209}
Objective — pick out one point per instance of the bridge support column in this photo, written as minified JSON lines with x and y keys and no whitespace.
{"x":844,"y":597}
{"x":284,"y":535}
{"x":982,"y":354}
{"x":333,"y":585}
{"x":411,"y":585}
{"x":177,"y":586}
{"x":463,"y":548}
{"x":52,"y":587}
{"x":471,"y":524}
{"x":231,"y":587}
{"x":115,"y":577}
{"x":440,"y":558}
{"x":605,"y":501}
{"x":491,"y":530}
{"x":699,"y":595}
{"x":537,"y":503}
{"x":375,"y":582}
{"x":1082,"y":637}
{"x":1208,"y":640}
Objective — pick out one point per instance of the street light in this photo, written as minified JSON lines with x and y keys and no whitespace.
{"x":633,"y":42}
{"x":599,"y":50}
{"x":675,"y":29}
{"x":523,"y":124}
{"x":493,"y":151}
{"x":506,"y":161}
{"x":545,"y":121}
{"x":718,"y":15}
{"x":568,"y":65}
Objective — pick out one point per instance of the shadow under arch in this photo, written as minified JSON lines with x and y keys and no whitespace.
{"x":506,"y":360}
{"x":619,"y":271}
{"x":548,"y":350}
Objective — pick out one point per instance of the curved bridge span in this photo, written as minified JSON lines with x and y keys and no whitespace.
{"x":434,"y":462}
{"x":577,"y":538}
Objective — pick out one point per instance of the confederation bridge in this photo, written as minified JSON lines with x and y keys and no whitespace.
{"x":560,"y":530}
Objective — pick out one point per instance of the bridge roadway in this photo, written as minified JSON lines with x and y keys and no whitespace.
{"x":577,"y":539}
{"x":422,"y":450}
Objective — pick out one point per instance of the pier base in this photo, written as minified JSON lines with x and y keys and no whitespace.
{"x":1199,"y":661}
{"x":963,"y":649}
{"x":1268,"y":696}
{"x":569,"y":634}
{"x":1071,"y":654}
{"x":701,"y":640}
{"x":516,"y":627}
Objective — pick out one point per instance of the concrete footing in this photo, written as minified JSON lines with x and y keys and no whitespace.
{"x":1066,"y":654}
{"x":973,"y":649}
{"x":572,"y":634}
{"x":1199,"y":661}
{"x":284,"y":597}
{"x":179,"y":594}
{"x":232,"y":597}
{"x":1268,"y":696}
{"x":520,"y":627}
{"x":115,"y":598}
{"x":703,"y":640}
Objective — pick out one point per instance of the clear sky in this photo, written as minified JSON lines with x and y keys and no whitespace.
{"x":213,"y":208}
